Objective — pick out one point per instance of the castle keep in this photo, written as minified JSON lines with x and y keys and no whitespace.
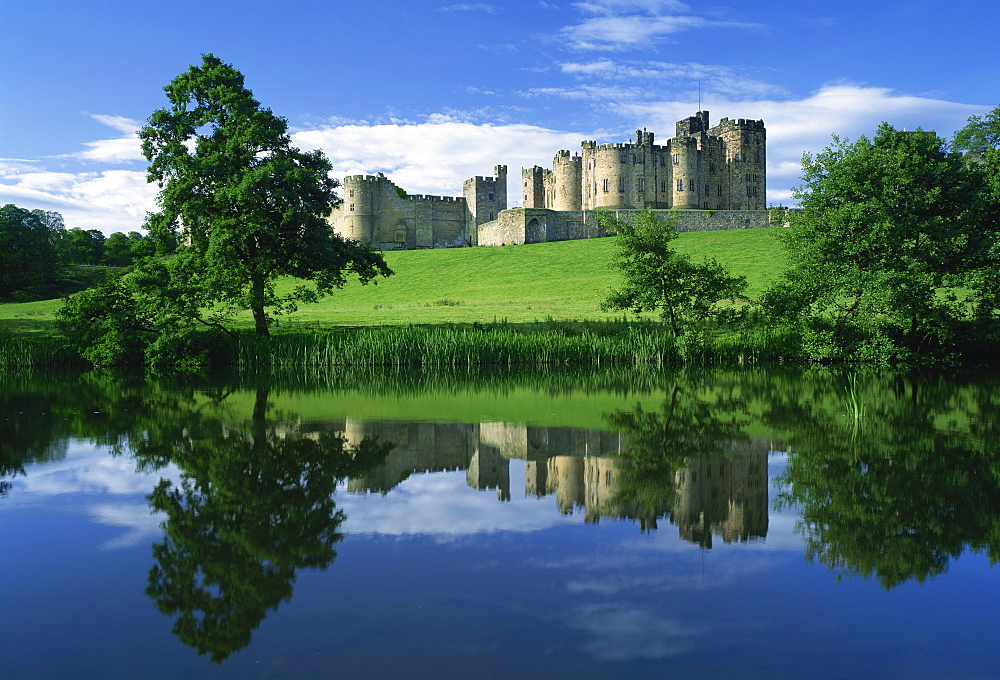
{"x":701,"y":168}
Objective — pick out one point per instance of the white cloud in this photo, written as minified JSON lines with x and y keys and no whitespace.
{"x":632,"y":24}
{"x":470,"y":7}
{"x":618,"y":632}
{"x":719,"y":80}
{"x":124,"y":149}
{"x":435,"y":157}
{"x":128,"y":126}
{"x":442,"y":505}
{"x":806,"y":125}
{"x":107,"y":200}
{"x":141,"y":525}
{"x":617,"y":6}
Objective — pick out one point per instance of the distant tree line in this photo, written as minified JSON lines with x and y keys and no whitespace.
{"x":35,"y":246}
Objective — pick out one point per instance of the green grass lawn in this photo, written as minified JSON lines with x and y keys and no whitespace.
{"x":564,"y":280}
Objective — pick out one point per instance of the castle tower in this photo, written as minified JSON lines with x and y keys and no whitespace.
{"x":684,"y":158}
{"x":744,"y":143}
{"x":607,"y":175}
{"x":359,"y":208}
{"x":485,"y":197}
{"x":567,"y":172}
{"x":533,"y":185}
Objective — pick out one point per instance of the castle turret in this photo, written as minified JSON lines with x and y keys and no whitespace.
{"x":567,"y":175}
{"x":684,"y":161}
{"x":357,"y":214}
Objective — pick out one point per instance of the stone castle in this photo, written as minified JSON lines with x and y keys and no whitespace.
{"x":723,"y":496}
{"x":701,"y":168}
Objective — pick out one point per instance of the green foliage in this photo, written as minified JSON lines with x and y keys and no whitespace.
{"x":80,"y":246}
{"x":26,"y":255}
{"x":696,"y":426}
{"x":254,"y":505}
{"x":139,"y":317}
{"x":658,"y":278}
{"x":122,"y":250}
{"x":250,"y":206}
{"x":902,"y":485}
{"x":882,"y":248}
{"x":981,"y":134}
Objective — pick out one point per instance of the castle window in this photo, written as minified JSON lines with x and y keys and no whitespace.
{"x":621,"y":185}
{"x":677,"y":158}
{"x":711,"y":168}
{"x":708,"y":190}
{"x":720,"y":190}
{"x":680,"y":185}
{"x":352,"y":207}
{"x":736,"y":157}
{"x":624,"y":157}
{"x":606,"y":186}
{"x":490,"y":197}
{"x":492,"y":216}
{"x":663,"y":161}
{"x":642,"y":185}
{"x":352,"y":194}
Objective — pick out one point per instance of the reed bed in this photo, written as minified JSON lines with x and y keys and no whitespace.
{"x":28,"y":352}
{"x":544,"y":344}
{"x":450,"y":347}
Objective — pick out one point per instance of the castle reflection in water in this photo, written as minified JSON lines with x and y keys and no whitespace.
{"x":722,"y":495}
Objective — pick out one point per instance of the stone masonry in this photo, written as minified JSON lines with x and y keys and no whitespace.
{"x":709,"y":177}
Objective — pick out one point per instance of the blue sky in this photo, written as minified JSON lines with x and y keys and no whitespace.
{"x":432,"y":92}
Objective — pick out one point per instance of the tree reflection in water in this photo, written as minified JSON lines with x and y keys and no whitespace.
{"x":254,"y":505}
{"x":669,"y":455}
{"x":897,"y":484}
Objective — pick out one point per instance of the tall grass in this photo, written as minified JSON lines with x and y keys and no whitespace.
{"x":25,"y":352}
{"x":448,"y":347}
{"x":542,"y":344}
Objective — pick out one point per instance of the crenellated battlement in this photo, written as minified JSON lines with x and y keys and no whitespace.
{"x":727,"y":124}
{"x":369,"y":179}
{"x":615,"y":146}
{"x":440,"y":199}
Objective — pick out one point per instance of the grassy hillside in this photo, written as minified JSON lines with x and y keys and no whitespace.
{"x":564,"y":280}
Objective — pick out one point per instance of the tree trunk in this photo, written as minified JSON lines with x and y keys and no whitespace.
{"x":257,"y":305}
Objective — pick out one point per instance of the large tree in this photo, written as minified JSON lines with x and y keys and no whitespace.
{"x":26,"y":255}
{"x":882,"y":248}
{"x":249,"y":206}
{"x":655,"y":277}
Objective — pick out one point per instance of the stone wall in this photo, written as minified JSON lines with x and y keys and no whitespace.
{"x":375,"y":211}
{"x":537,"y":225}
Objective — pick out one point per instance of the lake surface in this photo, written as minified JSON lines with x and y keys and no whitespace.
{"x":604,"y":524}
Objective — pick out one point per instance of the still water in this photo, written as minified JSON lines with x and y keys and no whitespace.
{"x":755,"y":524}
